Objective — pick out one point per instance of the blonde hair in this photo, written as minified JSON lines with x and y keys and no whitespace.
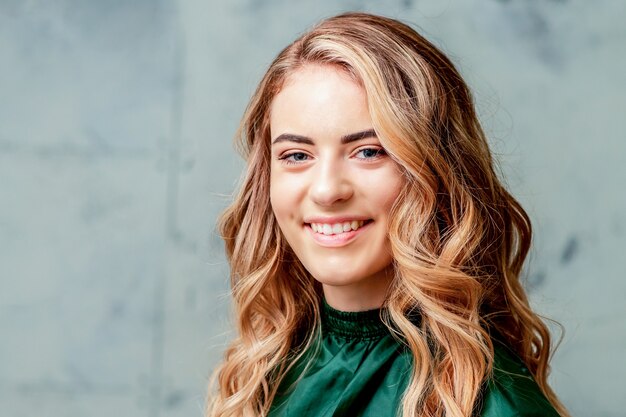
{"x":458,"y":238}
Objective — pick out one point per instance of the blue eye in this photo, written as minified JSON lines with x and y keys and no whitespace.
{"x":293,"y":158}
{"x":371,"y":153}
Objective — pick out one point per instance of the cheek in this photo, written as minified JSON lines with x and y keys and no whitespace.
{"x":384,"y":189}
{"x":283,"y":197}
{"x":276,"y":201}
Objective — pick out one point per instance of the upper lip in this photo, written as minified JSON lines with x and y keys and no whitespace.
{"x":335,"y":219}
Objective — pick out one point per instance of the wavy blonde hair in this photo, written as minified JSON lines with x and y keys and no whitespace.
{"x":458,"y":238}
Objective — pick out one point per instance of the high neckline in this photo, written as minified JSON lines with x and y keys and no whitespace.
{"x":353,"y":324}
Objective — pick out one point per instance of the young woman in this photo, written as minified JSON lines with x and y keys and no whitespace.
{"x":375,"y":255}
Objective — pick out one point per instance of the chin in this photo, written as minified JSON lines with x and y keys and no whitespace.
{"x":334,"y":279}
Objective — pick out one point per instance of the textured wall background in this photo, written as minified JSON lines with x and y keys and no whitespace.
{"x":116,"y":120}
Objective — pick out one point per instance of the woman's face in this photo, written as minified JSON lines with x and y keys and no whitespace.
{"x":332,"y":185}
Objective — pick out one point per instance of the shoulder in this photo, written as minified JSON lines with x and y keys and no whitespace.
{"x":511,"y":391}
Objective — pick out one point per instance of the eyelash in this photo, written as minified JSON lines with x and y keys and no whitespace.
{"x":286,"y":161}
{"x":379,"y":153}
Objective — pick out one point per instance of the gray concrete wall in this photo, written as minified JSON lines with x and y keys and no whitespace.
{"x":116,"y":120}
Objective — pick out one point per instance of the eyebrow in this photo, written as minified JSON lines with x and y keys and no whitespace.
{"x":352,"y":137}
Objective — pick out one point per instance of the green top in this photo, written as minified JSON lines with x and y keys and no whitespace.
{"x":361,"y":370}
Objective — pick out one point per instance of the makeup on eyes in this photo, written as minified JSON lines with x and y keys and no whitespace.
{"x":379,"y":153}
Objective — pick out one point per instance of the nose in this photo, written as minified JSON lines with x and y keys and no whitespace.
{"x":330,"y":183}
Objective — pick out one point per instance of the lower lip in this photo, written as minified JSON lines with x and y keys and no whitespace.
{"x":341,"y":239}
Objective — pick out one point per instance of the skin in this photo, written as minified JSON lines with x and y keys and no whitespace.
{"x":322,"y":104}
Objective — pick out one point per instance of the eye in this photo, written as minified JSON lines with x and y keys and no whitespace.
{"x":294,"y":158}
{"x":371,"y":153}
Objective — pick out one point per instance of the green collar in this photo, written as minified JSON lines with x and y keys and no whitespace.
{"x":353,"y":325}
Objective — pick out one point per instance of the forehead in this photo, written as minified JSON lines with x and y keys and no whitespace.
{"x":318,"y":96}
{"x":316,"y":81}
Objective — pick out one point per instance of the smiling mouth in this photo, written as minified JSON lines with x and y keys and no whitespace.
{"x":337,"y":228}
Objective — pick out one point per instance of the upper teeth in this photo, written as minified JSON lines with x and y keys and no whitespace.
{"x":332,"y":229}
